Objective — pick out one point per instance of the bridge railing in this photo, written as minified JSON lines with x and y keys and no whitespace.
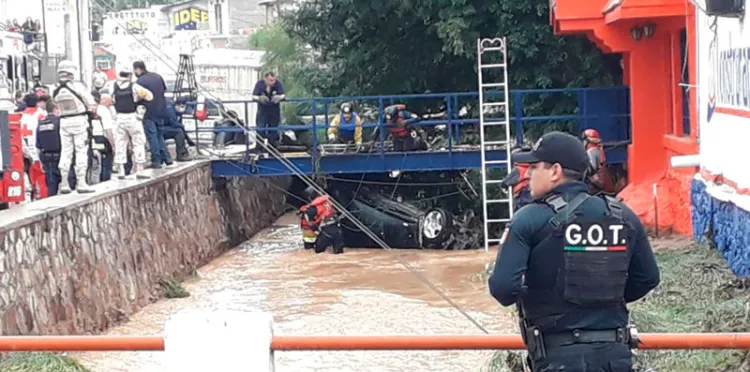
{"x":532,"y":112}
{"x":244,"y":341}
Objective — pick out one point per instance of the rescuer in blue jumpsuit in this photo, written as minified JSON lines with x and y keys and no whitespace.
{"x":269,"y":92}
{"x":571,"y":263}
{"x":174,"y":130}
{"x":156,"y":114}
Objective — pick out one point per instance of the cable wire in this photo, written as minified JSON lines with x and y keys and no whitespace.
{"x":307,"y":180}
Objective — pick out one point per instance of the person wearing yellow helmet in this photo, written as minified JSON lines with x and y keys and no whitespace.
{"x":346,"y":127}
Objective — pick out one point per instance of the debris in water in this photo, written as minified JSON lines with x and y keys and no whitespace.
{"x":173,"y":288}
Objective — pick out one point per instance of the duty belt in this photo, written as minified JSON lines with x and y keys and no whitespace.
{"x":619,"y":335}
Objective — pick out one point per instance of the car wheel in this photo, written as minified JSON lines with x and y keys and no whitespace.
{"x":436,"y":228}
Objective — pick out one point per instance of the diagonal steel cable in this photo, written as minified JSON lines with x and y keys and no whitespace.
{"x":309,"y":182}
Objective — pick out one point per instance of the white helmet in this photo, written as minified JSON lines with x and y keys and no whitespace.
{"x":67,"y":67}
{"x":126,"y":69}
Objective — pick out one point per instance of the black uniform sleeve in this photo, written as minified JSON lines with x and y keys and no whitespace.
{"x":643,"y":273}
{"x":512,"y":259}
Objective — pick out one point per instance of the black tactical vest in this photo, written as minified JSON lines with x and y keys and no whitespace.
{"x":594,"y":255}
{"x":48,"y":135}
{"x":124,"y":103}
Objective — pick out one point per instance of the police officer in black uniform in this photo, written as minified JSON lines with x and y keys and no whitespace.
{"x":571,"y":263}
{"x":48,"y":143}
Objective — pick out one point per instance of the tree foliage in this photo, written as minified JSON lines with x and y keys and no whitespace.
{"x":413,"y":46}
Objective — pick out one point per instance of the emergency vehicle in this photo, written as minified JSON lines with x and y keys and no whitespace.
{"x":11,"y":159}
{"x":19,"y":70}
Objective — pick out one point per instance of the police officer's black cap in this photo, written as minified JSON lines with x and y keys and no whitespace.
{"x":556,"y":147}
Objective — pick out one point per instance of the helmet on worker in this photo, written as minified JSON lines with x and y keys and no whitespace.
{"x":126,"y":71}
{"x":310,"y":193}
{"x":591,"y":136}
{"x":346,"y":110}
{"x":391,"y":112}
{"x":67,"y":69}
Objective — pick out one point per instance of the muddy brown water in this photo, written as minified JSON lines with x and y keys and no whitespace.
{"x":362,"y":292}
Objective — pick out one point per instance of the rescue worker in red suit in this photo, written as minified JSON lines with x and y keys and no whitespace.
{"x":397,"y":120}
{"x":321,"y":217}
{"x":601,"y":179}
{"x":30,"y":117}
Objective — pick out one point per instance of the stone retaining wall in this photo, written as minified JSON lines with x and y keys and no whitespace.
{"x":78,"y":266}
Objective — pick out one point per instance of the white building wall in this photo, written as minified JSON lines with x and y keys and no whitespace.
{"x":724,"y":98}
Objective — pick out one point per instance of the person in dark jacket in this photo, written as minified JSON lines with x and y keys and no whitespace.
{"x":174,"y":130}
{"x":571,"y":262}
{"x":155,"y":117}
{"x":49,"y":146}
{"x":269,"y":93}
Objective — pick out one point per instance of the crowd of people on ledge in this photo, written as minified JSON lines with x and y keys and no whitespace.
{"x":75,"y":137}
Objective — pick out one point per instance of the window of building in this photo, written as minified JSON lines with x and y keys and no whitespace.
{"x":685,"y":74}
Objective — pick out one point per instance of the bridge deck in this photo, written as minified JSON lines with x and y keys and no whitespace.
{"x":468,"y":157}
{"x":446,"y":116}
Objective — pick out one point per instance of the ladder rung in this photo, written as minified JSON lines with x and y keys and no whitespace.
{"x":490,"y":143}
{"x":495,"y":240}
{"x":493,"y":65}
{"x":491,"y":123}
{"x":495,"y":162}
{"x":497,"y":201}
{"x":492,"y":182}
{"x":493,"y":104}
{"x":498,"y":220}
{"x":492,"y":85}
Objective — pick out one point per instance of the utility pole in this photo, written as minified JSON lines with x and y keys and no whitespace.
{"x":44,"y":27}
{"x":85,"y":51}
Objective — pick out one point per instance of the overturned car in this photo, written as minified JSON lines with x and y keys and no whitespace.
{"x":403,"y":225}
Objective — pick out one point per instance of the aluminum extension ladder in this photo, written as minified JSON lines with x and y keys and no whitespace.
{"x":185,"y":85}
{"x":492,"y":61}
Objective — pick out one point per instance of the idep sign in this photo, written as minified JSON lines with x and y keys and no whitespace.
{"x":189,"y":18}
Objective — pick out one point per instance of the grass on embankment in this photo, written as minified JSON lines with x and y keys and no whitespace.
{"x":698,"y":293}
{"x":39,"y":362}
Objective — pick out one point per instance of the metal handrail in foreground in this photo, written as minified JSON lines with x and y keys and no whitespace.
{"x":653,"y":341}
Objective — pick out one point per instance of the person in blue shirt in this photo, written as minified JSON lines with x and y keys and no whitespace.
{"x":571,"y":263}
{"x":269,"y":93}
{"x":174,"y":130}
{"x":155,"y":117}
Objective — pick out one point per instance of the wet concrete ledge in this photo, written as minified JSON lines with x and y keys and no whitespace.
{"x":79,"y":263}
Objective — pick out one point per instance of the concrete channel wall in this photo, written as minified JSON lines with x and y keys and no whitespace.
{"x":77,"y":264}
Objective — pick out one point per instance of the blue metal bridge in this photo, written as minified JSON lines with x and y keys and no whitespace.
{"x":604,"y":109}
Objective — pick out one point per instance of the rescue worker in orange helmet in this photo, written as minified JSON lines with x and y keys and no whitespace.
{"x":601,"y":179}
{"x":322,"y":217}
{"x":397,"y":120}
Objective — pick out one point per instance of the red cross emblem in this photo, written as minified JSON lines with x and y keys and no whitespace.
{"x":25,"y":131}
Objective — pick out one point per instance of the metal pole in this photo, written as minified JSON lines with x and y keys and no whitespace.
{"x":44,"y":27}
{"x":80,"y":40}
{"x":648,"y":341}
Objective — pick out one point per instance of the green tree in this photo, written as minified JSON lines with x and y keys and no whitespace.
{"x":409,"y":46}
